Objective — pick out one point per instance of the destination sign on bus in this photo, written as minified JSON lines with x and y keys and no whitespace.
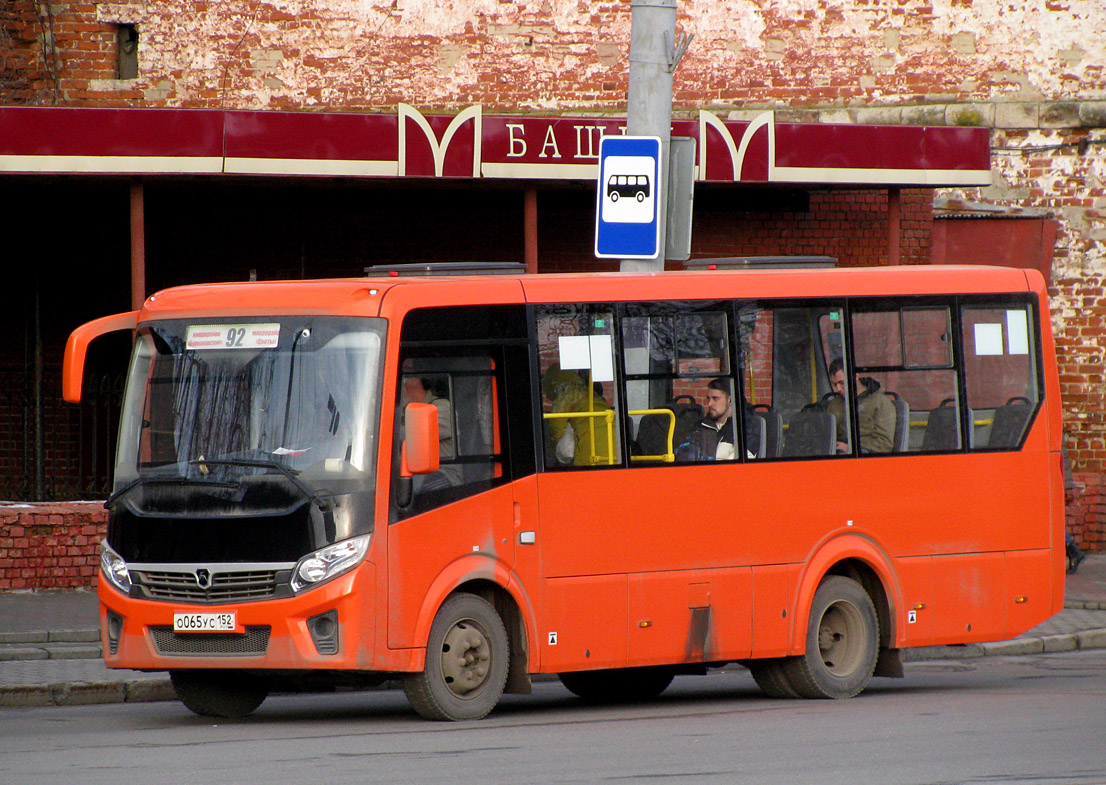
{"x":202,"y":337}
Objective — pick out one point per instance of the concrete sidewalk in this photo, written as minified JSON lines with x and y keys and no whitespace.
{"x":50,"y":648}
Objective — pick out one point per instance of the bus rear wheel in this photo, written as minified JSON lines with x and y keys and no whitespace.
{"x":771,"y":678}
{"x":842,"y":642}
{"x":215,"y":693}
{"x":620,"y":685}
{"x":467,"y":656}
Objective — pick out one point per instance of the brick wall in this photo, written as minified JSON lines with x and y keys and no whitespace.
{"x":52,"y":546}
{"x":559,"y":54}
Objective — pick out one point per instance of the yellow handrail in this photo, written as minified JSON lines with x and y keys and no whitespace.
{"x":607,"y":414}
{"x":669,"y":456}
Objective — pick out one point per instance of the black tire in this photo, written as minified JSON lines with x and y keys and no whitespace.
{"x":614,"y":196}
{"x":621,"y":685}
{"x":215,"y":693}
{"x":467,"y":657}
{"x":842,"y":642}
{"x":770,"y":677}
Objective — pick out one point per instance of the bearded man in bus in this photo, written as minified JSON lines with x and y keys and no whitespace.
{"x":712,"y":438}
{"x":875,"y":411}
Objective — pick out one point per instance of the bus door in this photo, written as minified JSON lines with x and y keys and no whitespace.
{"x":457,"y":523}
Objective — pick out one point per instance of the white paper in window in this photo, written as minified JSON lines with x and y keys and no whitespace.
{"x":574,"y":352}
{"x":1017,"y":332}
{"x":988,"y":339}
{"x":602,"y":368}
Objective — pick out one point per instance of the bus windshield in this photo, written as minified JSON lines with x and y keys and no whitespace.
{"x":257,"y":415}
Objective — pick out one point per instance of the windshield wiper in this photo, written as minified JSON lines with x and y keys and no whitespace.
{"x":256,"y":463}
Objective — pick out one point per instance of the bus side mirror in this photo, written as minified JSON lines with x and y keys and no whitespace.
{"x":421,"y":451}
{"x":77,"y":347}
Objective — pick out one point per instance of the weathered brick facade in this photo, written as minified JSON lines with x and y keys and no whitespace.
{"x":50,"y":546}
{"x":1035,"y":73}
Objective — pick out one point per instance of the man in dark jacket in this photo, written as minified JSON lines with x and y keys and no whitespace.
{"x":712,"y":438}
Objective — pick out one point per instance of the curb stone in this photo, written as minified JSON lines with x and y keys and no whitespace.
{"x":1091,"y":639}
{"x":1055,"y":643}
{"x":21,"y":653}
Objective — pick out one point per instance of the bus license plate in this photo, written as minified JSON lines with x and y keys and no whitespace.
{"x":205,"y":622}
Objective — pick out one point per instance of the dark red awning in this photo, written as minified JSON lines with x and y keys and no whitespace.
{"x":63,"y":140}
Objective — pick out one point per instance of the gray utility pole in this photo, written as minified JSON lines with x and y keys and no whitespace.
{"x":654,"y":54}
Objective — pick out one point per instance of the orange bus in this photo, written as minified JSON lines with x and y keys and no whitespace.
{"x":460,"y":481}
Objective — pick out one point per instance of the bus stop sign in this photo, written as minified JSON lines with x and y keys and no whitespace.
{"x":627,"y":223}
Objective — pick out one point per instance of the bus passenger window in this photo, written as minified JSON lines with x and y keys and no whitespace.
{"x":679,"y":392}
{"x":580,"y":402}
{"x":906,"y":382}
{"x":1000,"y":373}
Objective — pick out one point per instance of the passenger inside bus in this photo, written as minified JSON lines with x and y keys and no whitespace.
{"x":421,"y":389}
{"x":875,"y":410}
{"x":712,"y":438}
{"x":568,"y":392}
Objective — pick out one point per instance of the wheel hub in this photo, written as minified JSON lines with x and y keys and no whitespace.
{"x":466,"y":658}
{"x":840,"y":638}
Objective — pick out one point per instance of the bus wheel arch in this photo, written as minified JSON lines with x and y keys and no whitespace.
{"x":842,"y":642}
{"x":862,"y":561}
{"x":467,"y":661}
{"x":505,"y":604}
{"x":516,"y":614}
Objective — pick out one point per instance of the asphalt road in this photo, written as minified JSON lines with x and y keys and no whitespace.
{"x":1029,"y":719}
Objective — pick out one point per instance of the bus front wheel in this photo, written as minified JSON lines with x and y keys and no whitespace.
{"x":215,"y":693}
{"x":842,"y":642}
{"x":466,"y":662}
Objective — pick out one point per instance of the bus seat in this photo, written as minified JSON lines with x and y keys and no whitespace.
{"x":942,"y":429}
{"x":773,"y":435}
{"x":1010,"y":421}
{"x":902,"y":423}
{"x":756,"y":433}
{"x":652,"y":431}
{"x":812,"y":431}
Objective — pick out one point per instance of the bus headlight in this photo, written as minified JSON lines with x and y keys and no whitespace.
{"x":329,"y":562}
{"x":114,"y":568}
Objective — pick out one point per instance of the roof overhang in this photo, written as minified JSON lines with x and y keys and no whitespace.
{"x":470,"y":144}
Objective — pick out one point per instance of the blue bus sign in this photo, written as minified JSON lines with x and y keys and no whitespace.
{"x":627,"y":223}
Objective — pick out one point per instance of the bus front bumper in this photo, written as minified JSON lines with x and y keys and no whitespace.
{"x":330,"y":627}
